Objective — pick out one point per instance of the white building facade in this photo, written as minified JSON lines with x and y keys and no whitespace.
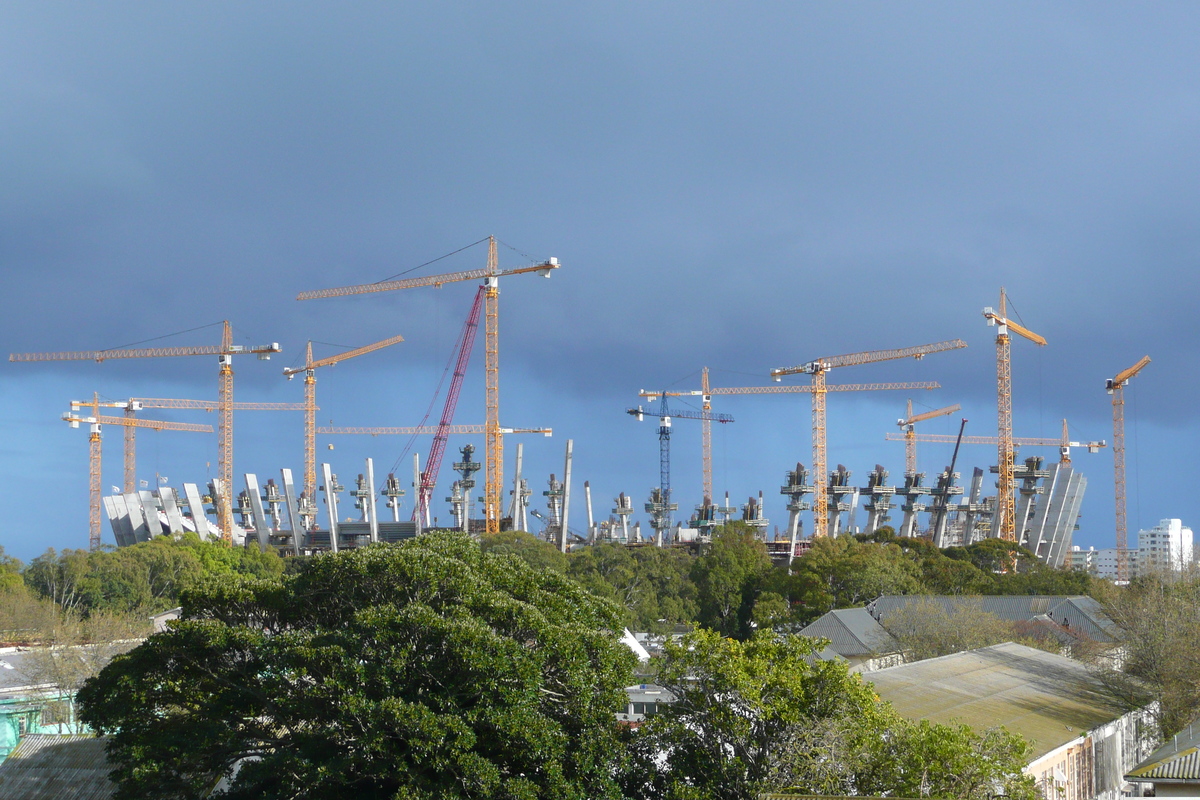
{"x":1166,"y":546}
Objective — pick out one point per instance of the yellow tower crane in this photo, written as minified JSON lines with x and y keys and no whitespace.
{"x":817,"y":370}
{"x":310,"y":401}
{"x":707,"y":392}
{"x":1064,"y":444}
{"x":1116,"y":387}
{"x":1005,"y":505}
{"x":95,"y":421}
{"x":908,"y":426}
{"x":224,"y":353}
{"x":426,"y":429}
{"x":491,"y":274}
{"x":135,"y":404}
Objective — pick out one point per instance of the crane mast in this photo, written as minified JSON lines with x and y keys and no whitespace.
{"x":224,"y":352}
{"x":493,"y":439}
{"x":1116,"y":387}
{"x":494,"y":434}
{"x":817,"y":370}
{"x":310,"y":401}
{"x":707,"y":391}
{"x":1005,"y":502}
{"x":94,"y":422}
{"x":908,"y":426}
{"x":706,"y":437}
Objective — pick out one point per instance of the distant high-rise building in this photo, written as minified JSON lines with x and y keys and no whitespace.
{"x":1166,"y":546}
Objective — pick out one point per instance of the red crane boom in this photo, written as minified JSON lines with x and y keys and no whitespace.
{"x":434,"y":462}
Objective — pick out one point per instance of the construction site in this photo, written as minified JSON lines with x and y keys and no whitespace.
{"x":1031,"y":500}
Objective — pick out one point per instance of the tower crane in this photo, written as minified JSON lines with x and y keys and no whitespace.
{"x":1005,"y":506}
{"x":310,"y":400}
{"x":224,"y":353}
{"x":663,"y":501}
{"x":95,"y":420}
{"x":1116,"y":387}
{"x":429,"y":474}
{"x":1064,"y":443}
{"x":817,"y":370}
{"x":136,"y":404}
{"x":707,"y":391}
{"x":433,"y":462}
{"x":491,"y":274}
{"x":908,"y":426}
{"x":418,"y":430}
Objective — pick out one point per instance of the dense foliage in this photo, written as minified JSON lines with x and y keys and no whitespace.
{"x":439,"y":668}
{"x":732,"y":586}
{"x":425,"y":670}
{"x":765,"y":715}
{"x":149,"y":576}
{"x":1160,"y":614}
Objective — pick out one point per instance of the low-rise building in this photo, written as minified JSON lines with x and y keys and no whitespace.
{"x":1082,"y":743}
{"x":858,"y":637}
{"x":1082,"y":615}
{"x":644,"y":700}
{"x":57,"y":767}
{"x":1172,"y":770}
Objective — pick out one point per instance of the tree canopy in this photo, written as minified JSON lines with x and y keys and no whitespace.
{"x":1160,"y":615}
{"x":764,"y":715}
{"x":429,"y":669}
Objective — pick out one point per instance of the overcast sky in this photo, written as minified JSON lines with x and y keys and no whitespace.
{"x":738,"y":186}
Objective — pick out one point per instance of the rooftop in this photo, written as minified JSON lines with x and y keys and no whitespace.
{"x":1080,"y":613}
{"x":46,"y":767}
{"x":1178,"y":760}
{"x":852,"y":632}
{"x":1048,"y":699}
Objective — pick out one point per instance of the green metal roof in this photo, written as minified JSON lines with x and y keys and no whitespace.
{"x":1046,"y":698}
{"x":52,"y":767}
{"x":1178,"y":760}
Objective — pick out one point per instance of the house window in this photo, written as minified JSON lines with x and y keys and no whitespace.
{"x":639,"y":708}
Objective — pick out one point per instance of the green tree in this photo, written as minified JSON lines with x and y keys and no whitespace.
{"x":765,"y":715}
{"x":58,"y":577}
{"x":941,"y":574}
{"x":668,"y":595}
{"x":652,"y":583}
{"x":927,"y":629}
{"x":10,"y":573}
{"x":844,"y":572}
{"x":728,"y":576}
{"x":429,"y":669}
{"x":1160,"y":616}
{"x":527,"y":547}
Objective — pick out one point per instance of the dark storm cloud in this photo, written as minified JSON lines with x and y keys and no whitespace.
{"x":739,"y":187}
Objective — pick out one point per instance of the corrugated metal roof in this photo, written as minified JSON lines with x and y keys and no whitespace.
{"x":1046,"y":698}
{"x":852,"y":632}
{"x":1177,"y":760}
{"x":46,"y":767}
{"x":1078,"y":612}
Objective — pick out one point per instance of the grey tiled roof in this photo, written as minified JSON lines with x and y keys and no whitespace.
{"x":1080,"y":613}
{"x":852,"y":632}
{"x":1178,"y":760}
{"x":47,"y":767}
